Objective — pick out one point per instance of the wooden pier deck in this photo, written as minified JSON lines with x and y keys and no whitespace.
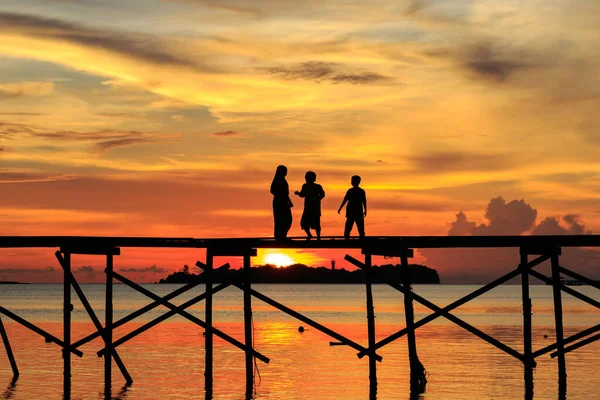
{"x":533,"y":250}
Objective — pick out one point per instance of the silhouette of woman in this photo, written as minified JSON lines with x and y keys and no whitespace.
{"x":282,"y":213}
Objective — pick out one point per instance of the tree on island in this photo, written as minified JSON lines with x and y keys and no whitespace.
{"x":300,"y":273}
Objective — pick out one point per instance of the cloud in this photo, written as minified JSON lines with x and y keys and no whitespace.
{"x":462,"y":226}
{"x":551,"y":226}
{"x":144,"y":47}
{"x":458,"y":161}
{"x":320,"y":71}
{"x":227,"y":133}
{"x":19,"y":89}
{"x":515,"y":217}
{"x":490,"y":61}
{"x":154,"y":269}
{"x":111,"y":144}
{"x":104,"y":140}
{"x":26,"y":270}
{"x":86,"y":269}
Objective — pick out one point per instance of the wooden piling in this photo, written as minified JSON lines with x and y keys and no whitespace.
{"x":248,"y":328}
{"x":418,"y":380}
{"x":208,"y":336}
{"x":9,"y":353}
{"x":67,"y":306}
{"x":370,"y":327}
{"x":528,"y":361}
{"x":558,"y":320}
{"x":108,"y":335}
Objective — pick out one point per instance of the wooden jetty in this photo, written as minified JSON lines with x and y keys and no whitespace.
{"x":533,"y":250}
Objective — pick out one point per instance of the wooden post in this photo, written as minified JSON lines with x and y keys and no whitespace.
{"x":370,"y":328}
{"x":208,"y":335}
{"x":9,"y":353}
{"x":67,"y":306}
{"x":108,"y":335}
{"x":418,"y":379}
{"x":558,"y":320}
{"x":248,"y":328}
{"x":528,"y":361}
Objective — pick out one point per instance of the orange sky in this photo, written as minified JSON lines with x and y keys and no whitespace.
{"x":168,"y":118}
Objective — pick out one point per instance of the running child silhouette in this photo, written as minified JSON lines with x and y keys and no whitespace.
{"x":312,"y":193}
{"x":356,"y":211}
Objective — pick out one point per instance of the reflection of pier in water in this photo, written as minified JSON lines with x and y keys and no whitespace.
{"x":540,"y":248}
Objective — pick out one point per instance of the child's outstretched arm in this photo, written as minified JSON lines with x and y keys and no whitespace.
{"x":342,"y":205}
{"x":300,"y":193}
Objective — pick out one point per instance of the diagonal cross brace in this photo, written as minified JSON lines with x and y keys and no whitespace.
{"x":9,"y":352}
{"x":181,"y":311}
{"x":93,"y":317}
{"x":461,"y":323}
{"x":460,"y":302}
{"x":306,"y":320}
{"x":137,"y":313}
{"x":568,"y":340}
{"x":49,"y":337}
{"x":566,"y":289}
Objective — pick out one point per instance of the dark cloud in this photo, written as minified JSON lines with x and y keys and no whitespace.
{"x":320,"y":71}
{"x":138,"y":46}
{"x":153,"y":269}
{"x":3,"y":149}
{"x":111,"y":144}
{"x":462,"y":226}
{"x":490,"y":61}
{"x":25,"y":270}
{"x":459,"y":161}
{"x":227,"y":133}
{"x":515,"y":217}
{"x":86,"y":269}
{"x":551,"y":226}
{"x":105,"y":139}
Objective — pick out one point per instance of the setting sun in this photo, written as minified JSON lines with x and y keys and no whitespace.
{"x":278,"y":259}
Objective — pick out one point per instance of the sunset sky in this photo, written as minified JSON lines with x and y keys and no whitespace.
{"x":169,"y":117}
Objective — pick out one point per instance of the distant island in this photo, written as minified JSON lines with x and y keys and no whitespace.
{"x":300,"y":273}
{"x":11,"y":283}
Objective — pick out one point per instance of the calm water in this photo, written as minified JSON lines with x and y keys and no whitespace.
{"x":167,"y":361}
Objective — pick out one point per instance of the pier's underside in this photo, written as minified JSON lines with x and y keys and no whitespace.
{"x":533,"y":250}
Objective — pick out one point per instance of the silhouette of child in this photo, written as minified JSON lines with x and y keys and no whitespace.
{"x":313,"y":194}
{"x":356,"y":211}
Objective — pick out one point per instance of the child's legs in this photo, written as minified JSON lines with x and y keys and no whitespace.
{"x":348,"y":227}
{"x":360,"y":224}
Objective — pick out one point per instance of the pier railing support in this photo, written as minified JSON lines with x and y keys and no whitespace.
{"x":370,"y":327}
{"x":558,"y":320}
{"x":528,"y":360}
{"x":208,"y":331}
{"x":418,"y":376}
{"x":248,"y":328}
{"x":108,"y":336}
{"x":9,"y":353}
{"x":93,"y":317}
{"x":67,"y":308}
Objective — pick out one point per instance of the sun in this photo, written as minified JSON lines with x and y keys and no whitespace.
{"x":279,"y":259}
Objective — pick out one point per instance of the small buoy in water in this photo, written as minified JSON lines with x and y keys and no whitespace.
{"x":545,"y":336}
{"x":300,"y":329}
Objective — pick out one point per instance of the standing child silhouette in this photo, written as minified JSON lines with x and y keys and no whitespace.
{"x":312,"y":193}
{"x":356,"y":211}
